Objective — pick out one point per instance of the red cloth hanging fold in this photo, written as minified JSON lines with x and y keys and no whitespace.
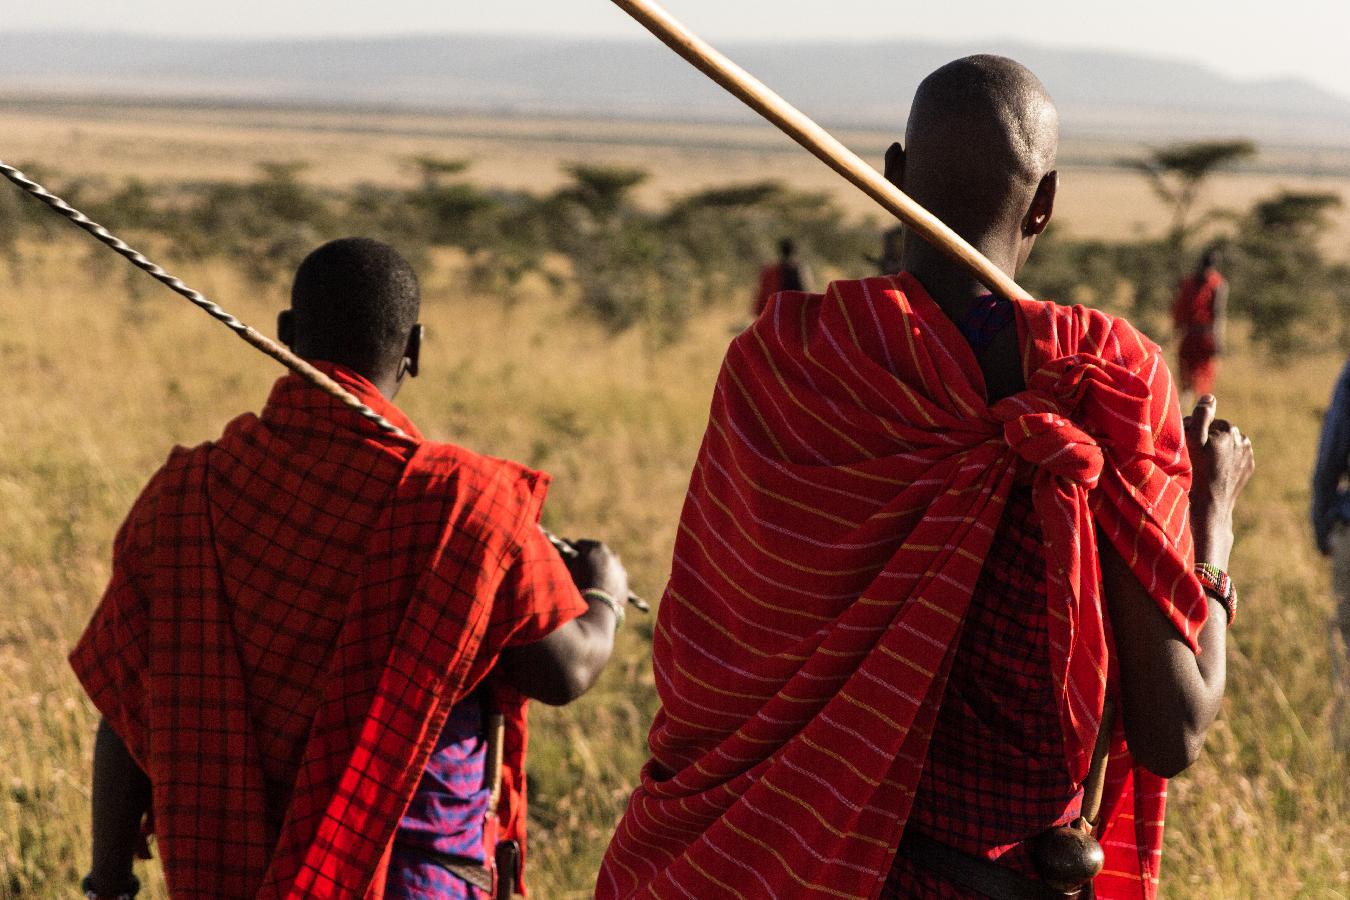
{"x":293,"y":610}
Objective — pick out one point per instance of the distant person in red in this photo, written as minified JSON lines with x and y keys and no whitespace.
{"x":787,"y":274}
{"x":1198,"y":315}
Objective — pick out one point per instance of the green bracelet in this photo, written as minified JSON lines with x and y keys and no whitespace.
{"x":608,"y":599}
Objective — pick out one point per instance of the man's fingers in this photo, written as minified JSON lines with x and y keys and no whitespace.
{"x":1198,"y":422}
{"x":1245,"y":447}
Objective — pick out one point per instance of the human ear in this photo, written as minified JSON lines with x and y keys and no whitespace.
{"x":1042,"y":206}
{"x":895,"y":165}
{"x":286,"y":328}
{"x":413,"y":352}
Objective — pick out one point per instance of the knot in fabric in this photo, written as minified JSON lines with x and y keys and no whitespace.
{"x":1055,"y":445}
{"x":1059,"y":424}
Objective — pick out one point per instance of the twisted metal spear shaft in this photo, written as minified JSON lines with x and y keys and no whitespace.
{"x":246,"y":332}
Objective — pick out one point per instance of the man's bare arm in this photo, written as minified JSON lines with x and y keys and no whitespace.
{"x":121,"y":798}
{"x":564,"y":665}
{"x":1170,"y":695}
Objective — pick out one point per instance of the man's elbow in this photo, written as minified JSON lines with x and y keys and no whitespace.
{"x":1168,"y":755}
{"x":578,"y":671}
{"x":570,"y":682}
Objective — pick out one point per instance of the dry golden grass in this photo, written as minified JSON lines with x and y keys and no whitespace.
{"x":101,"y":384}
{"x":104,"y":385}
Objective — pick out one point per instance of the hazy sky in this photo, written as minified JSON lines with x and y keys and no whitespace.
{"x":1303,"y":38}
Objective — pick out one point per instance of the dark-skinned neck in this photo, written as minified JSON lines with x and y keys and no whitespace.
{"x":386,"y":381}
{"x":387,"y":384}
{"x":955,"y":291}
{"x":950,"y":285}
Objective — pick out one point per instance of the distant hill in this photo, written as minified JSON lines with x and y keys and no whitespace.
{"x":865,"y":84}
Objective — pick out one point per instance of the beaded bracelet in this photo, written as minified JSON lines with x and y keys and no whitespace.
{"x":606,"y":598}
{"x":1218,"y":585}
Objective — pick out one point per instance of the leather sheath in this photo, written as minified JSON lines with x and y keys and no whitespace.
{"x":986,"y":878}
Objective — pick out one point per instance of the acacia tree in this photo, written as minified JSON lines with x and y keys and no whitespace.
{"x":603,"y":191}
{"x":432,"y":169}
{"x":1178,"y":171}
{"x":1280,"y":278}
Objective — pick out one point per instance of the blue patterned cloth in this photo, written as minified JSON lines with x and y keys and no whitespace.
{"x":988,"y":316}
{"x":446,"y":813}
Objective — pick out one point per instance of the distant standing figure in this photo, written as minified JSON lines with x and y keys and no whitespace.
{"x":1331,"y":527}
{"x":787,"y":274}
{"x":1198,"y":314}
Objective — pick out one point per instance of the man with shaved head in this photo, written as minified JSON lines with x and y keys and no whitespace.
{"x":929,"y":534}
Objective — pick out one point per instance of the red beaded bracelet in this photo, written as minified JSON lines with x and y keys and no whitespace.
{"x":1218,"y":585}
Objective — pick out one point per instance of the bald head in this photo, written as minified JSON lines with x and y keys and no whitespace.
{"x":981,"y":139}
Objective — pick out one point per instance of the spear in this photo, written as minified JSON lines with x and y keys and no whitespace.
{"x":824,"y":146}
{"x":242,"y":330}
{"x":245,"y":332}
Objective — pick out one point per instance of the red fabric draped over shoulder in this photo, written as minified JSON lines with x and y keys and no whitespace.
{"x":846,"y":493}
{"x":292,"y":613}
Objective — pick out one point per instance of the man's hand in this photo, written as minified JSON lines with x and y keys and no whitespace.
{"x":1222,"y":462}
{"x":595,"y":565}
{"x":564,"y":665}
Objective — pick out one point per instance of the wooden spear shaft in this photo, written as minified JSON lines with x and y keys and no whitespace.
{"x":824,"y":146}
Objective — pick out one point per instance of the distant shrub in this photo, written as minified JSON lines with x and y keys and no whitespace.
{"x":266,"y":225}
{"x":655,"y":269}
{"x":1280,"y":280}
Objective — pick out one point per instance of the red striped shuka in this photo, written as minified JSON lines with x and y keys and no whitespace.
{"x":849,"y":489}
{"x":294,"y":610}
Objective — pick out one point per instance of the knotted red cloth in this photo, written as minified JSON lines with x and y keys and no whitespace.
{"x":293,"y":610}
{"x":846,"y":494}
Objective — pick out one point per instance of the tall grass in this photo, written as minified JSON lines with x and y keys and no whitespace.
{"x":101,"y":382}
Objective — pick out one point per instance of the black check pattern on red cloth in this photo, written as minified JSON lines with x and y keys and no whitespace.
{"x":293,"y":610}
{"x":995,"y":773}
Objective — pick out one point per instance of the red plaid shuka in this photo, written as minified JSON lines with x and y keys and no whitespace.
{"x":292,"y":613}
{"x":995,"y":773}
{"x":846,"y":496}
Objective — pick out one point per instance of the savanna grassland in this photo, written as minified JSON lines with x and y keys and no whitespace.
{"x":1098,"y":200}
{"x":103,"y":377}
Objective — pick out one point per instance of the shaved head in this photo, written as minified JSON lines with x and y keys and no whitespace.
{"x":983,"y":133}
{"x":354,"y":302}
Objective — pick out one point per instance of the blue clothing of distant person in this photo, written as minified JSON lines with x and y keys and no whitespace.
{"x":1330,"y":496}
{"x":445,"y":818}
{"x":1331,"y":527}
